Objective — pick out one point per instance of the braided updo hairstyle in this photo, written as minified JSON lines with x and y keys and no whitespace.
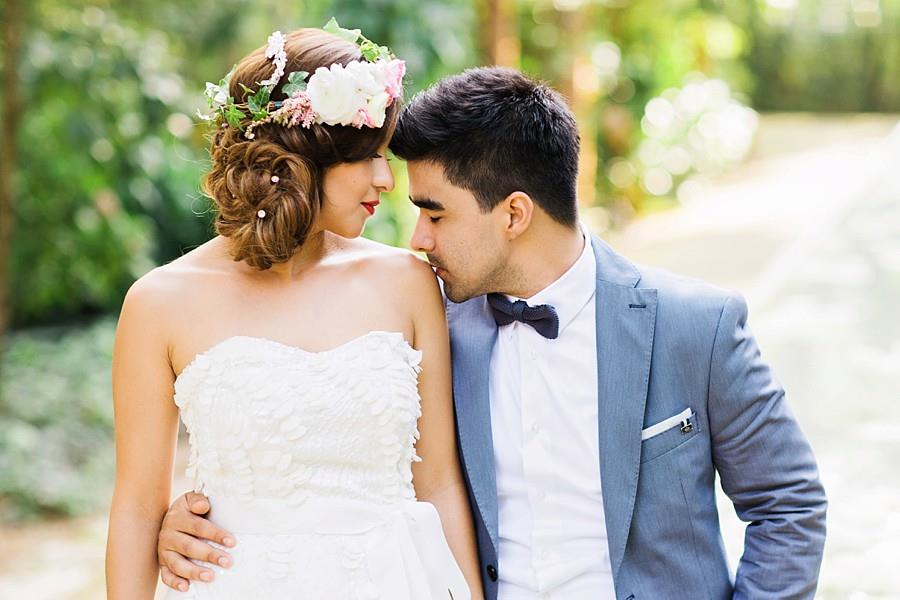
{"x":281,"y":170}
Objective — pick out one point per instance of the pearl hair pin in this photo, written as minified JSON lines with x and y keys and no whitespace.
{"x":261,"y":214}
{"x":275,"y":179}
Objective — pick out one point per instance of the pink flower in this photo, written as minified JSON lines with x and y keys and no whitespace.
{"x":393,"y":78}
{"x":363,"y":118}
{"x":296,"y":110}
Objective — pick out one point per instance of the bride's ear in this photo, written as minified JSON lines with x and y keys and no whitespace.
{"x":518,"y":209}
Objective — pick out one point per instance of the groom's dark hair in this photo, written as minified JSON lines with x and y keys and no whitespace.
{"x":494,"y":131}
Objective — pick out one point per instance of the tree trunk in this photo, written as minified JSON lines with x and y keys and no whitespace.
{"x":9,"y":120}
{"x":500,"y":37}
{"x":580,"y":85}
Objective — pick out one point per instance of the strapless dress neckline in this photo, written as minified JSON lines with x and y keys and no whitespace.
{"x":307,"y":457}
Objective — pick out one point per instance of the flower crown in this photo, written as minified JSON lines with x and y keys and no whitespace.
{"x":357,"y":94}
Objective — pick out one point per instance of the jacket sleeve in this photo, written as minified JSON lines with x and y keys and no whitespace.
{"x":766,"y":466}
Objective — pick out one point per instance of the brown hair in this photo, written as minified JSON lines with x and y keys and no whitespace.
{"x":240,"y":182}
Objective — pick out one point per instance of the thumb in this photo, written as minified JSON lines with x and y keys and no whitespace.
{"x":197,"y":503}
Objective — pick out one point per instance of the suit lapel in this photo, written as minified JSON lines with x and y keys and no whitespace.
{"x":473,"y":333}
{"x":626,"y":318}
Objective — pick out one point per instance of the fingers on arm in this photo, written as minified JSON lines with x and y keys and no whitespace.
{"x":196,"y":502}
{"x":182,"y":539}
{"x":179,"y":547}
{"x":181,"y":520}
{"x":184,"y":533}
{"x":172,"y":580}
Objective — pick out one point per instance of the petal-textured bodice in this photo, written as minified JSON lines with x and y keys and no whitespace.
{"x":307,"y":459}
{"x":271,"y":421}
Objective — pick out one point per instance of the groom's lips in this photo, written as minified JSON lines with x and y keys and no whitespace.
{"x":438,"y":270}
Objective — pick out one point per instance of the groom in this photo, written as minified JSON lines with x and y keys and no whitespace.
{"x":595,"y":400}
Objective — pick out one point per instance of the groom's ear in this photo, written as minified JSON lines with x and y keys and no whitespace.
{"x":518,"y":210}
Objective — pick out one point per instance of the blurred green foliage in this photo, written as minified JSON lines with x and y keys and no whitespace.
{"x":56,"y":420}
{"x":111,"y":155}
{"x":108,"y":183}
{"x":821,"y":55}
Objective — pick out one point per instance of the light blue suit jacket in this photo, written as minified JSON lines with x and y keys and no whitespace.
{"x":664,"y":344}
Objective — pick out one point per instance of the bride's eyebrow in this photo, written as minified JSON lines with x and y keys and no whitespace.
{"x":427,"y":203}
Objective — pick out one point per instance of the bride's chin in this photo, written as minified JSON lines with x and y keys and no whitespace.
{"x":349,"y":230}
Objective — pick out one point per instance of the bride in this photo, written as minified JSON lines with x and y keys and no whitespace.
{"x":296,"y":354}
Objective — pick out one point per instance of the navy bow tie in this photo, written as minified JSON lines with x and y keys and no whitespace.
{"x":542,"y":317}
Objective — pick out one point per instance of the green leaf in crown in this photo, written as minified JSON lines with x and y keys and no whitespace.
{"x":351,"y":35}
{"x":296,"y":83}
{"x":258,"y":103}
{"x":373,"y":52}
{"x":370,"y":51}
{"x":233,"y":116}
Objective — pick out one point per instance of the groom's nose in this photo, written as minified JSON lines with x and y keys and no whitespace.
{"x":422,"y":240}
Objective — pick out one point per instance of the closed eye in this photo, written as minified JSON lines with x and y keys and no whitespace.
{"x":434,"y":219}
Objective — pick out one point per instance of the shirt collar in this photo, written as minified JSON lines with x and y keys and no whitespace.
{"x":573,"y":289}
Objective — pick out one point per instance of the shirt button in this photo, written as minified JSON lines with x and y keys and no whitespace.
{"x":545,"y":553}
{"x":535,"y":428}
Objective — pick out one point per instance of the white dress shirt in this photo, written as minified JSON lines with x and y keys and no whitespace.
{"x":544,"y":422}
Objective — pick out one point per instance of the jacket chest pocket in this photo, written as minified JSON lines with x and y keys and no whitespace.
{"x":668,"y":434}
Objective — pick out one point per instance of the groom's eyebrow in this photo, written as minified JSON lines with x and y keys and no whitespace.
{"x":427,"y":203}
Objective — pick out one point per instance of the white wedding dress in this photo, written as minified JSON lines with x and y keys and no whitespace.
{"x":306,"y":457}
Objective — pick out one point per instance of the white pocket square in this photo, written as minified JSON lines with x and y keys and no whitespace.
{"x":666,"y":425}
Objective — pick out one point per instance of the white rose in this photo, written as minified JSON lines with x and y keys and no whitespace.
{"x":376,"y":108}
{"x":368,"y":79}
{"x":334,"y":96}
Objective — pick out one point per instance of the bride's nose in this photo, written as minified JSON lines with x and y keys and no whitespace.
{"x":383,"y":177}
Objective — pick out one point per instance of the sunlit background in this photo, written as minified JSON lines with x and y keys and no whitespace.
{"x":751,"y":143}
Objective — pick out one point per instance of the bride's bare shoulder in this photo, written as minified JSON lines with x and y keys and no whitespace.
{"x":387,"y":263}
{"x":179,"y":281}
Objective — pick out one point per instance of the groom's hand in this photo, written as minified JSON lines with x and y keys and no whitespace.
{"x":178,"y":541}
